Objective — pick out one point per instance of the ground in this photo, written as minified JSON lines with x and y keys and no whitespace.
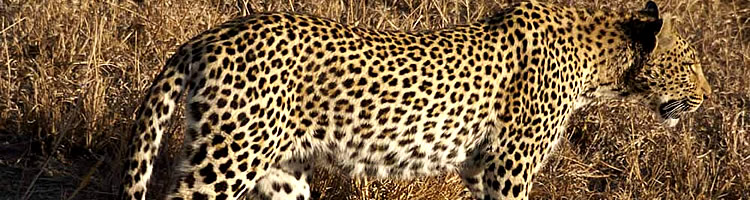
{"x":73,"y":71}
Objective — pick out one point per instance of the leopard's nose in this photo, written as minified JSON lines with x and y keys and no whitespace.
{"x":706,"y":88}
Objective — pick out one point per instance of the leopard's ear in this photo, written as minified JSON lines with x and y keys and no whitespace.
{"x":666,"y":36}
{"x":651,"y":9}
{"x":644,"y":26}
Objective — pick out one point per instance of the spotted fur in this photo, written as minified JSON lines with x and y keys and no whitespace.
{"x":272,"y":95}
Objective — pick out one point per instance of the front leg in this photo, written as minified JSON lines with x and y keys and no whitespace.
{"x":499,"y":172}
{"x":507,"y":175}
{"x":472,"y":175}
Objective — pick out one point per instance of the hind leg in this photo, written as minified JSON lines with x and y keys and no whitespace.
{"x":205,"y":177}
{"x":224,"y":159}
{"x":288,"y":180}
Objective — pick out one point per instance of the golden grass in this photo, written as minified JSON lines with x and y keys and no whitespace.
{"x":73,"y":71}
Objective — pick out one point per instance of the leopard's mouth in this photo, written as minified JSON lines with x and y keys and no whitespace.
{"x":671,"y":111}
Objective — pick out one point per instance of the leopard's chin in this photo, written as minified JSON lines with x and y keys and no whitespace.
{"x":671,"y":122}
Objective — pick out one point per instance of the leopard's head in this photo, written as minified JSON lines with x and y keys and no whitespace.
{"x":671,"y":79}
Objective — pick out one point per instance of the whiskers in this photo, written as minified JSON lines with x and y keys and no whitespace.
{"x":673,"y":108}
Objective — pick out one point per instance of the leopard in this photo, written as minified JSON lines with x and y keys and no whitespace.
{"x":273,"y":96}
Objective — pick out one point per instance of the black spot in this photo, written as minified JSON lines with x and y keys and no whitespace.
{"x":199,"y":156}
{"x":221,"y":187}
{"x":516,"y":190}
{"x":209,"y":176}
{"x":221,"y":153}
{"x":199,"y":196}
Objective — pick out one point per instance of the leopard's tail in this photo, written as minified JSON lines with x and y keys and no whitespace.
{"x":151,"y":120}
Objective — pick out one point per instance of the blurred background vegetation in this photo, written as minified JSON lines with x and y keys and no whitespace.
{"x":73,"y":72}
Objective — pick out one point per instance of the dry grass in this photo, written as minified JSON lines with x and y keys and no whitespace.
{"x":72,"y":72}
